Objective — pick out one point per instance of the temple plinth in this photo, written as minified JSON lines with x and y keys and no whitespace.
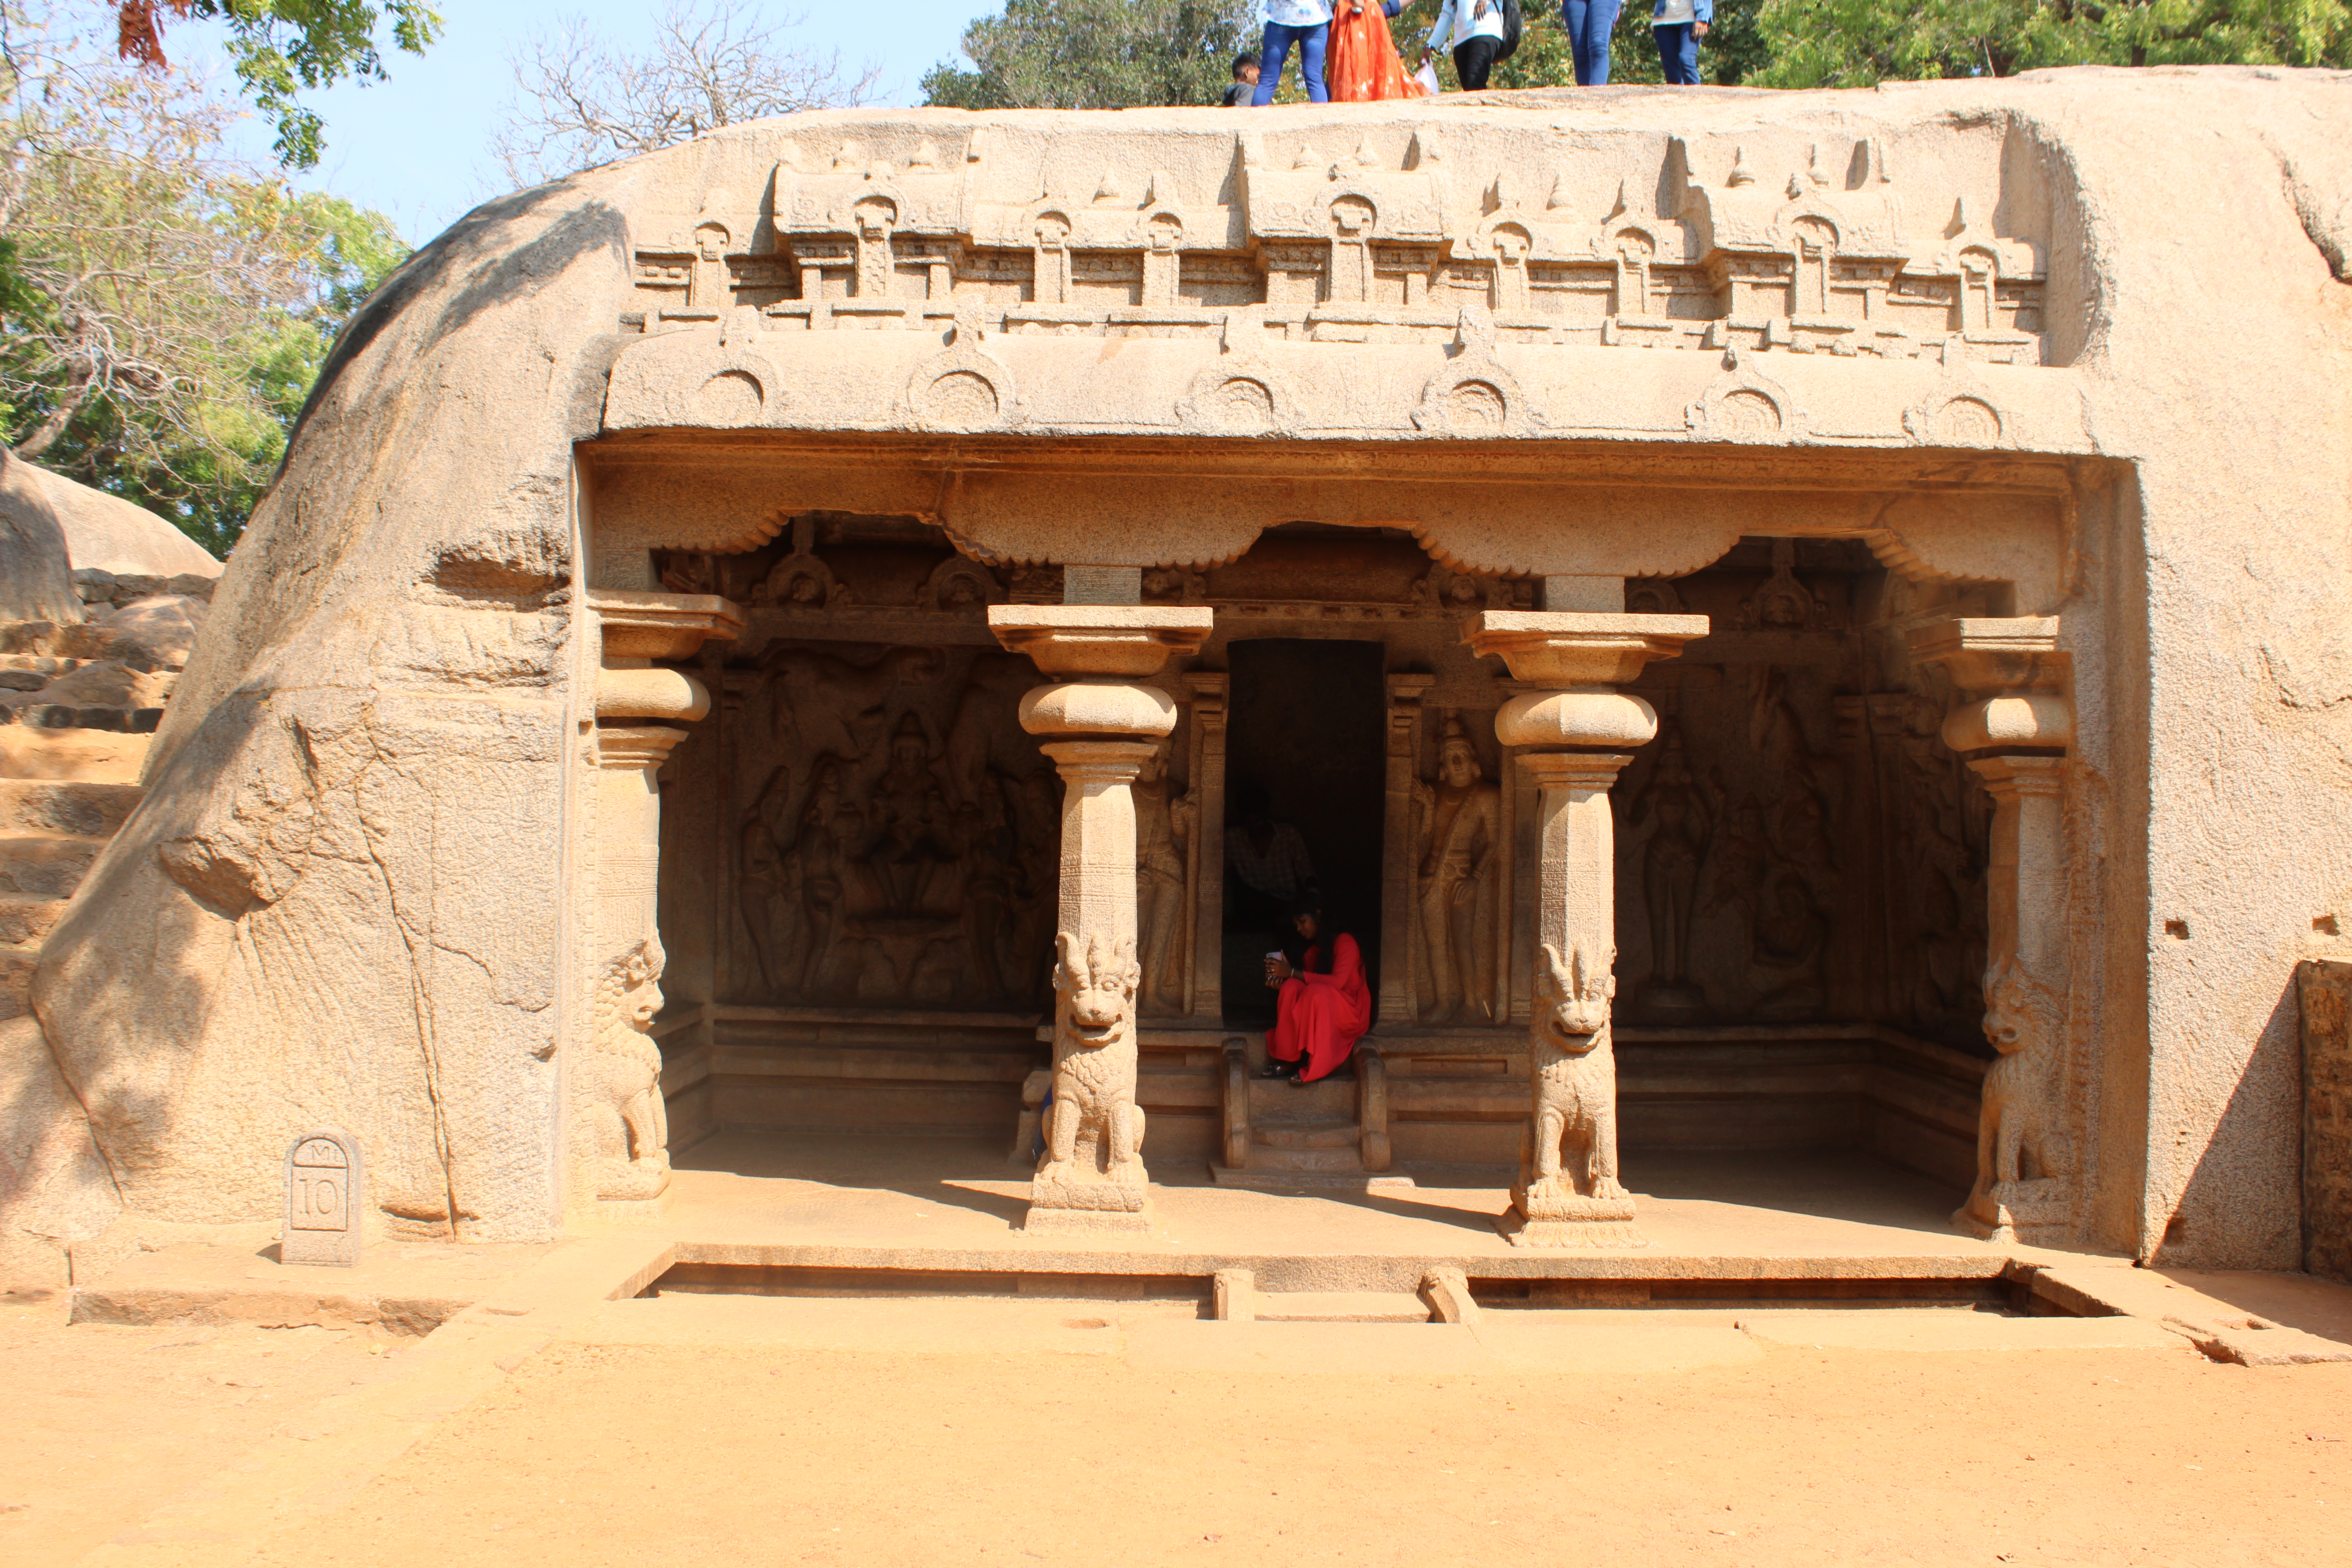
{"x":1099,"y":729}
{"x":1582,"y":732}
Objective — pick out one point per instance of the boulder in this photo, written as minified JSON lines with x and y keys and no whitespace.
{"x":110,"y":534}
{"x":155,"y":631}
{"x":36,"y":572}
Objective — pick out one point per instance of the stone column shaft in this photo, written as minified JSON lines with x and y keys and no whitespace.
{"x":1099,"y":730}
{"x":618,"y":1126}
{"x":1206,"y":996}
{"x":1400,"y":904}
{"x":2014,"y":730}
{"x":1579,"y":733}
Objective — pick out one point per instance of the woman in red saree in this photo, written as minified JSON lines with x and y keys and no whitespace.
{"x":1322,"y":1008}
{"x":1362,"y":63}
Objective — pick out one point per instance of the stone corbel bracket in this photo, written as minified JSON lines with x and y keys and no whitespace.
{"x":2014,"y":675}
{"x":638,"y":627}
{"x":1102,"y":642}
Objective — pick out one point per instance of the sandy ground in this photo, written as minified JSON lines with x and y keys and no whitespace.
{"x":98,"y":1425}
{"x":1091,"y":1434}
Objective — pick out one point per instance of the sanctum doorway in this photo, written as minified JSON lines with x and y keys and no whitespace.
{"x":1303,"y":740}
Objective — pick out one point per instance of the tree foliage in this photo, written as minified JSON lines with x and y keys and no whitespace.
{"x":1097,"y":54}
{"x":581,"y":101}
{"x":279,"y":48}
{"x":1729,"y":56}
{"x":165,"y":307}
{"x":1854,"y":43}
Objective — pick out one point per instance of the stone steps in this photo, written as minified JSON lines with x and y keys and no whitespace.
{"x":1304,"y":1135}
{"x":1443,"y":1298}
{"x":1341,"y":1307}
{"x":25,"y":922}
{"x":70,"y":808}
{"x":44,"y":866}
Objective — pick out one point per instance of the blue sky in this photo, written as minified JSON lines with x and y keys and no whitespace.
{"x":416,"y":146}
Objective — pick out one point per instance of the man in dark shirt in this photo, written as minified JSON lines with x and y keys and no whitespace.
{"x":1244,"y":86}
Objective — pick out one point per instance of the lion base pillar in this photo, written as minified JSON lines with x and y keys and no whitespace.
{"x":1100,"y":730}
{"x":2014,"y":725}
{"x":1581,"y":734}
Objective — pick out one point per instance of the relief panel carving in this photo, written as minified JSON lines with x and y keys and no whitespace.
{"x":901,"y":839}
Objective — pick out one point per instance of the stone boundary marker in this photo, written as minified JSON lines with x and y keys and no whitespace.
{"x":326,"y":1180}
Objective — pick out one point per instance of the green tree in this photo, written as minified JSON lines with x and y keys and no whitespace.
{"x":1854,"y":43}
{"x":1097,"y":54}
{"x":165,"y":307}
{"x":279,"y":47}
{"x":1729,"y":56}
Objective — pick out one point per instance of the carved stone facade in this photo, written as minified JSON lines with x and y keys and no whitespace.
{"x":626,"y":622}
{"x":1328,"y":235}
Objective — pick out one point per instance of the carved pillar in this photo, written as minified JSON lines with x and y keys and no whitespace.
{"x":1400,"y":904}
{"x":2014,"y":730}
{"x":1098,"y":727}
{"x":618,"y":1126}
{"x":1208,"y":846}
{"x":1581,"y":732}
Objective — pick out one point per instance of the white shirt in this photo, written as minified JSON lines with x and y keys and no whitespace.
{"x":1673,"y":13}
{"x":1456,"y":23}
{"x":1298,"y":13}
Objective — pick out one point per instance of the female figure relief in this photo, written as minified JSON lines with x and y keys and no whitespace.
{"x":1462,"y":821}
{"x":1674,"y":813}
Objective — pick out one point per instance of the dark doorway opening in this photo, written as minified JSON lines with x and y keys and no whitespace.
{"x":1305,"y":727}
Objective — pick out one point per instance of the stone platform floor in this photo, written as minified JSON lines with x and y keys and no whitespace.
{"x":947,"y":1204}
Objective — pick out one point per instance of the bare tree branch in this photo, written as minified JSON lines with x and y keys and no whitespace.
{"x":580,"y":101}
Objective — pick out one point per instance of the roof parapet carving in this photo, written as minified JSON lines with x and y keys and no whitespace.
{"x":1820,"y":249}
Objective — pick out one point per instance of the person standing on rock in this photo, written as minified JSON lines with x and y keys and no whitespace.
{"x":1678,"y":26}
{"x":1473,"y":30}
{"x":1305,"y":23}
{"x":1364,"y":65}
{"x":1588,"y":24}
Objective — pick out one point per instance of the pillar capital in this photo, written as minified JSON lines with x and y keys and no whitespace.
{"x":1099,"y":760}
{"x":1101,"y":640}
{"x":2022,"y":776}
{"x":1995,"y":655}
{"x":1098,"y":707}
{"x":1584,"y":770}
{"x":639,"y":624}
{"x":2012,"y":672}
{"x":622,"y":746}
{"x":1579,"y":649}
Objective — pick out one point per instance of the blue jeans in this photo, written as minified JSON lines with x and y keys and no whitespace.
{"x":1678,"y":52}
{"x":1588,"y":22}
{"x":1310,"y":42}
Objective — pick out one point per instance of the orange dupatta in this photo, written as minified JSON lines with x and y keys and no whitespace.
{"x":1362,"y":63}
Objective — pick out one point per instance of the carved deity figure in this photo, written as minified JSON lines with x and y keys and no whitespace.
{"x":1094,"y":1130}
{"x":913,"y":833}
{"x":1672,"y":813}
{"x":1785,"y":952}
{"x":2017,"y":1125}
{"x":1164,"y":822}
{"x":1573,"y":1151}
{"x":1458,"y":825}
{"x":621,"y":1122}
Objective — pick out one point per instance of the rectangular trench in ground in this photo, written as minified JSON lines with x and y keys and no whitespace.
{"x":1999,"y":1294}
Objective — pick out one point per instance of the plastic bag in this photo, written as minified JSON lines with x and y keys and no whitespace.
{"x":1426,"y":78}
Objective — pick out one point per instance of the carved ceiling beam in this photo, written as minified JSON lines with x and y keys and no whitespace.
{"x":1162,"y":509}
